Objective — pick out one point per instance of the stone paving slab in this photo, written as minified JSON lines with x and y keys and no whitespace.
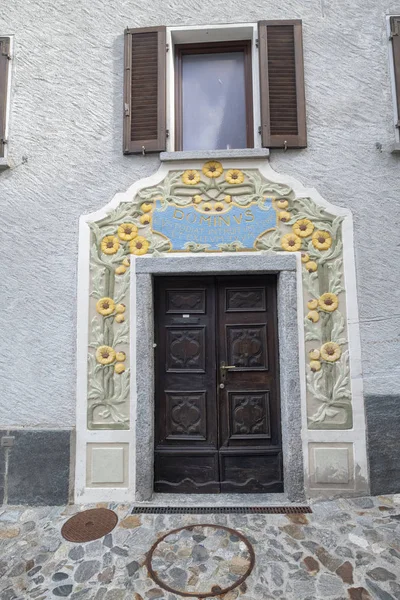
{"x":346,"y":549}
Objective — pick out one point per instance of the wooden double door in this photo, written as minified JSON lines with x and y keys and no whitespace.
{"x":217,"y":414}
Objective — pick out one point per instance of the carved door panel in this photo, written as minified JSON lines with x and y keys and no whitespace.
{"x":217,"y":429}
{"x":249,"y":417}
{"x":186,"y":451}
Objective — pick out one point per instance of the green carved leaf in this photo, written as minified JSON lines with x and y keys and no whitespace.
{"x":122,"y":287}
{"x":194,"y":247}
{"x":339,"y":324}
{"x":96,"y":333}
{"x":232,"y":247}
{"x":121,"y":334}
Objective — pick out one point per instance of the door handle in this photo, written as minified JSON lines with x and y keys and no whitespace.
{"x":223,"y":368}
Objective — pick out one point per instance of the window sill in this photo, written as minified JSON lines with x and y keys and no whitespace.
{"x":4,"y":164}
{"x":395,"y":149}
{"x":215,"y":154}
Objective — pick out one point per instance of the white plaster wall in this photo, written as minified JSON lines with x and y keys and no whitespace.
{"x":65,"y":148}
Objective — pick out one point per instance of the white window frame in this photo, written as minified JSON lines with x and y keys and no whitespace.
{"x":211,"y":33}
{"x":4,"y":159}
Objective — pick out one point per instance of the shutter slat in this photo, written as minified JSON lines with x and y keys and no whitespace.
{"x":145,"y":90}
{"x":4,"y":66}
{"x":282,"y":84}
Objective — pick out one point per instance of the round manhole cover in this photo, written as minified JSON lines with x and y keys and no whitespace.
{"x":201,"y":561}
{"x":89,"y":525}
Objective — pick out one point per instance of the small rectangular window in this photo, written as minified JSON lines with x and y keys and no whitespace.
{"x":213,"y":92}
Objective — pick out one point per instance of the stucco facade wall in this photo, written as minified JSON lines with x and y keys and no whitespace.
{"x":65,"y":151}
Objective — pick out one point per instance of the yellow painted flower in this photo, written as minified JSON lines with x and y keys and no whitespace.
{"x":218,"y":206}
{"x":234,"y":176}
{"x":311,"y":266}
{"x":127,"y":231}
{"x":145,"y":219}
{"x":120,"y":308}
{"x":331,"y":351}
{"x":126,"y":262}
{"x":119,"y":368}
{"x":284,"y":216}
{"x":315,"y":365}
{"x":212,"y":169}
{"x":312,"y":304}
{"x":282,"y":203}
{"x":197,"y":199}
{"x":304,"y":257}
{"x":303,"y":227}
{"x":314,"y":354}
{"x":191,"y":177}
{"x":109,"y":244}
{"x":146,"y":207}
{"x":105,"y":306}
{"x":120,"y":318}
{"x":207,"y":206}
{"x":105,"y":355}
{"x":139,"y":245}
{"x":291,"y":242}
{"x":328,"y":302}
{"x":313,"y":316}
{"x":120,"y":356}
{"x":228,"y":199}
{"x":120,"y":270}
{"x":321,"y":240}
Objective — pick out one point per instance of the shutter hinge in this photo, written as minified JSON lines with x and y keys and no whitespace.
{"x":126,"y":110}
{"x":394,"y":27}
{"x":166,"y":47}
{"x":3,"y":141}
{"x":167,"y":133}
{"x":8,"y":56}
{"x":259,"y":130}
{"x":257,"y":43}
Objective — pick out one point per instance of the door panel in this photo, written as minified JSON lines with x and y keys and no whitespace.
{"x":217,"y":429}
{"x":186,"y":451}
{"x":250,"y":440}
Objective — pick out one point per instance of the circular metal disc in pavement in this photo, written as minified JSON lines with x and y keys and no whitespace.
{"x":200,"y":561}
{"x":89,"y":525}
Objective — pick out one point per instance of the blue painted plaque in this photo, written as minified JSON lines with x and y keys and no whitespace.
{"x":240,"y":224}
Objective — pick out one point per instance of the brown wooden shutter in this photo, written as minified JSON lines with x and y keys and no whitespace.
{"x":4,"y":66}
{"x":283,"y":112}
{"x":145,"y":90}
{"x":395,"y":37}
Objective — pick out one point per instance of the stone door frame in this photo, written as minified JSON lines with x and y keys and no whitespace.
{"x":288,"y":333}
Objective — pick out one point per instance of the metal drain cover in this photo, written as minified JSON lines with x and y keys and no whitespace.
{"x":201,"y":561}
{"x":89,"y":525}
{"x":199,"y":510}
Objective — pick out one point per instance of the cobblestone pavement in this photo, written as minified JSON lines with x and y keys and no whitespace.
{"x":345,"y":549}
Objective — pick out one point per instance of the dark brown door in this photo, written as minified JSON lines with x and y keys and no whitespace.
{"x":217,"y":403}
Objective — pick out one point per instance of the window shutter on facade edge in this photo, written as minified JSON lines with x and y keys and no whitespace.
{"x":4,"y":66}
{"x":395,"y":37}
{"x":145,"y":90}
{"x":283,"y":111}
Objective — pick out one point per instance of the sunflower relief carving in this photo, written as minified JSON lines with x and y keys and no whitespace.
{"x":257,"y":215}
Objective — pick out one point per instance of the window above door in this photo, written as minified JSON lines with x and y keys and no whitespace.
{"x":222,"y":87}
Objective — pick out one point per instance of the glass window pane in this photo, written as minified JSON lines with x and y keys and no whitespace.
{"x":213,"y":101}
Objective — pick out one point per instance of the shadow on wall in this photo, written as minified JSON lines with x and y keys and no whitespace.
{"x":383,"y":443}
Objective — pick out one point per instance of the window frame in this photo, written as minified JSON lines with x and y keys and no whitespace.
{"x":182,"y":50}
{"x":198,"y":34}
{"x":396,"y":111}
{"x":5,"y":147}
